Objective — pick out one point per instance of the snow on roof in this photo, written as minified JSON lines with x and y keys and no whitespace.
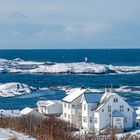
{"x":73,"y":95}
{"x":92,"y":97}
{"x":26,"y":110}
{"x":116,"y":113}
{"x":48,"y":103}
{"x":104,"y":101}
{"x":45,"y":103}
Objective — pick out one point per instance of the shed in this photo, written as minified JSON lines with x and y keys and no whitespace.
{"x":49,"y":107}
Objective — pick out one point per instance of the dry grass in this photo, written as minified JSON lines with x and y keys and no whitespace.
{"x":51,"y":129}
{"x":14,"y":137}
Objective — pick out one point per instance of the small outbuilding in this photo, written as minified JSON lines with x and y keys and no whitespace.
{"x":26,"y":111}
{"x":48,"y":107}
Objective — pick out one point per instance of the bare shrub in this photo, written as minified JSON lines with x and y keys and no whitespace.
{"x":14,"y":137}
{"x":53,"y":129}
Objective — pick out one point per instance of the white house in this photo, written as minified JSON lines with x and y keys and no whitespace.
{"x":72,"y":106}
{"x":97,"y":111}
{"x":49,"y":107}
{"x":113,"y":111}
{"x":90,"y":102}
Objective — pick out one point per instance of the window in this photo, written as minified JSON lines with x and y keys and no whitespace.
{"x":121,"y":108}
{"x":64,"y":104}
{"x":128,"y":109}
{"x":115,"y":99}
{"x":125,"y":120}
{"x":84,"y":119}
{"x":65,"y":115}
{"x":102,"y":110}
{"x":68,"y":105}
{"x":109,"y":108}
{"x":69,"y":116}
{"x":118,"y":119}
{"x":90,"y":119}
{"x":73,"y":105}
{"x":84,"y":107}
{"x":95,"y":120}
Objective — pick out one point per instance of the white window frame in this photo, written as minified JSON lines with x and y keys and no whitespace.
{"x":84,"y":119}
{"x":84,"y":106}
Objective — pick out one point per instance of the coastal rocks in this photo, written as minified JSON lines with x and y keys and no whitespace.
{"x":20,"y":66}
{"x":14,"y":89}
{"x":72,"y":68}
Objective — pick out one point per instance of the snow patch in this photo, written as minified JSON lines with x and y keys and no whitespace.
{"x":13,"y":89}
{"x":6,"y":134}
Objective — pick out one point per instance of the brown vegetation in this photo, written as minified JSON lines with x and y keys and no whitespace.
{"x":51,"y":129}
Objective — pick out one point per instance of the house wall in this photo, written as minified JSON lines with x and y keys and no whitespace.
{"x":118,"y":123}
{"x":96,"y":121}
{"x":88,"y":115}
{"x":69,"y":109}
{"x":52,"y":109}
{"x":104,"y":114}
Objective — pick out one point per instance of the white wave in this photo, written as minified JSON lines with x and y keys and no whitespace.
{"x":20,"y":66}
{"x":132,"y":89}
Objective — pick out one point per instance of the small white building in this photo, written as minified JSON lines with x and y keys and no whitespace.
{"x":26,"y":111}
{"x":96,"y":111}
{"x":49,"y":107}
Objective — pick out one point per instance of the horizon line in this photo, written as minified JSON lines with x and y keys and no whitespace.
{"x":70,"y":49}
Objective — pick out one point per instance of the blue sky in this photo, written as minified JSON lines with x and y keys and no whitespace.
{"x":50,"y":24}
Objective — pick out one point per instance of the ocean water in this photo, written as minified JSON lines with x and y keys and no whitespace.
{"x":123,"y":57}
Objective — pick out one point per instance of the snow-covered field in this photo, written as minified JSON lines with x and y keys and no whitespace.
{"x":6,"y":134}
{"x":20,"y":66}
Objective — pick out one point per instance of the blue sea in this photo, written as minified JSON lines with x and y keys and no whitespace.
{"x":122,"y":57}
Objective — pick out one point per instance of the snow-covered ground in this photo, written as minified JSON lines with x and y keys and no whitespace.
{"x":20,"y":66}
{"x":10,"y":113}
{"x":13,"y":89}
{"x":6,"y":134}
{"x":135,"y":132}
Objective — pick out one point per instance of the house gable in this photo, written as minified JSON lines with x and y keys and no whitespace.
{"x":74,"y":95}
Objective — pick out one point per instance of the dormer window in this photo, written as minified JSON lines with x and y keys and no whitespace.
{"x":115,"y":99}
{"x":121,"y":108}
